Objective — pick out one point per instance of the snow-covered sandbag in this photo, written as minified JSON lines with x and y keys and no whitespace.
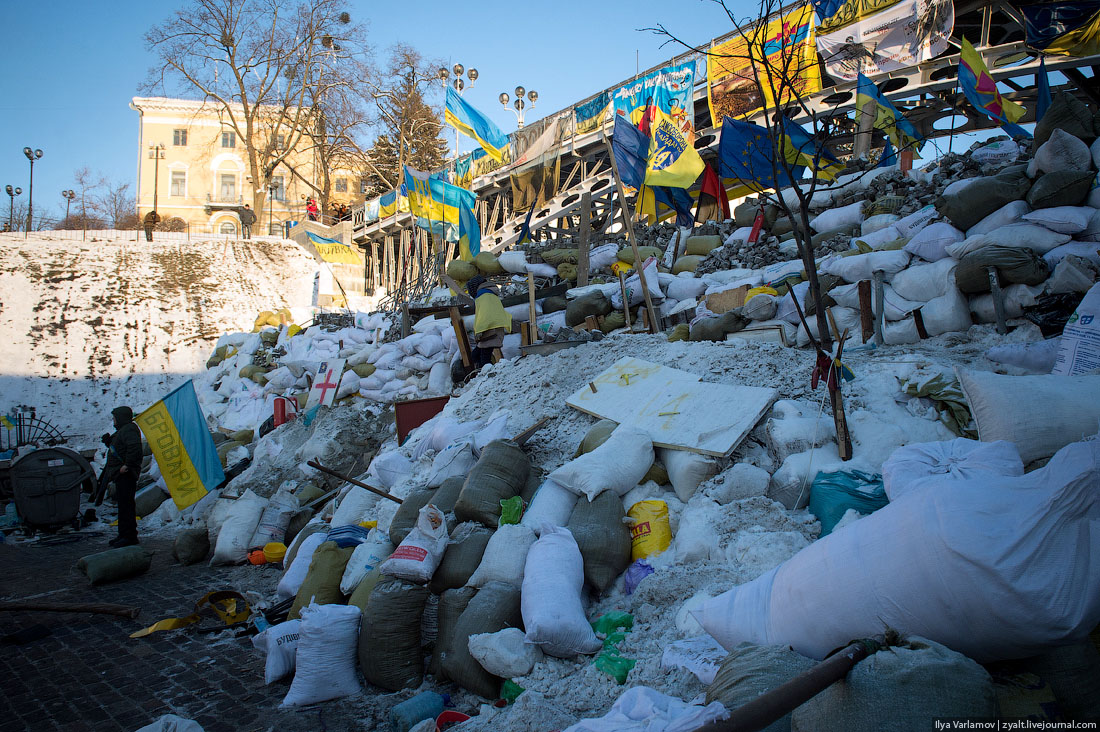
{"x":551,"y":601}
{"x":430,"y":324}
{"x":871,"y":224}
{"x":505,"y":556}
{"x":928,"y":463}
{"x":1040,"y":414}
{"x":552,"y":505}
{"x":949,"y":313}
{"x":1036,"y":358}
{"x":240,"y":524}
{"x":454,"y":460}
{"x":355,"y":507}
{"x":1038,"y":239}
{"x":861,"y":266}
{"x":901,"y":332}
{"x":442,"y":431}
{"x":686,"y":470}
{"x":838,"y":218}
{"x":1062,"y":151}
{"x":616,"y":465}
{"x":1016,"y":298}
{"x":924,"y":282}
{"x":1062,"y":219}
{"x":761,"y":307}
{"x":685,"y":288}
{"x":986,"y":535}
{"x":641,"y":708}
{"x":895,"y":306}
{"x":422,"y":550}
{"x":439,"y":378}
{"x":504,"y":653}
{"x":388,"y":468}
{"x":514,"y":262}
{"x":368,"y":555}
{"x":274,"y":519}
{"x":279,"y":643}
{"x":931,"y":242}
{"x":349,"y":384}
{"x":279,"y":379}
{"x":1010,"y":213}
{"x":325,"y":661}
{"x":1089,"y":250}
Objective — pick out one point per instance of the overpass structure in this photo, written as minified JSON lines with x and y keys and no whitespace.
{"x":400,"y":258}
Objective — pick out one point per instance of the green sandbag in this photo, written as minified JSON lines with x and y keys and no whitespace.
{"x":702,"y":245}
{"x":446,"y":495}
{"x":460,"y":270}
{"x":744,"y":214}
{"x":626,"y":254}
{"x":303,"y":534}
{"x":1068,"y":113}
{"x":389,"y":638}
{"x":567,"y":271}
{"x":716,"y":328}
{"x":269,"y":337}
{"x":246,"y":372}
{"x":555,"y":257}
{"x":984,"y":196}
{"x":750,"y":670}
{"x":191,"y":546}
{"x":494,"y":607}
{"x":244,"y":437}
{"x":225,"y":448}
{"x":499,"y":473}
{"x":259,"y":377}
{"x":603,"y":538}
{"x":487,"y":264}
{"x":613,"y":321}
{"x":308,"y":493}
{"x":554,"y":304}
{"x":1015,"y":265}
{"x":115,"y":564}
{"x":322,"y":582}
{"x":361,"y":594}
{"x":1060,"y":188}
{"x":148,"y":500}
{"x":452,"y":604}
{"x":405,"y":519}
{"x":363,"y":370}
{"x":592,"y":304}
{"x":679,"y":332}
{"x":687,"y":264}
{"x":297,"y":522}
{"x":461,"y":558}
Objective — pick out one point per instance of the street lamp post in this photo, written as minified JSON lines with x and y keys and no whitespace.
{"x":270,"y":206}
{"x":518,"y":106}
{"x":459,"y":85}
{"x":32,"y":155}
{"x":12,"y":193}
{"x":156,"y":152}
{"x":68,"y":195}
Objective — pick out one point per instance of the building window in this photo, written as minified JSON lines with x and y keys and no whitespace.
{"x":278,"y":192}
{"x":341,"y":185}
{"x":229,"y":139}
{"x":179,"y":138}
{"x":364,"y":186}
{"x":228,"y":227}
{"x":179,"y":183}
{"x":228,"y":188}
{"x":279,"y":142}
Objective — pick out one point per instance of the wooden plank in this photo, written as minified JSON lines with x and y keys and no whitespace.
{"x":584,"y":234}
{"x":721,"y":302}
{"x":463,"y":340}
{"x":674,"y":407}
{"x":532,"y":317}
{"x":626,"y":303}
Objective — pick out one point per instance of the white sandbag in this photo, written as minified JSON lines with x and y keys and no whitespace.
{"x":496,"y":428}
{"x":1036,"y":358}
{"x":846,"y":319}
{"x":909,"y":226}
{"x":326,"y":657}
{"x":901,"y":332}
{"x":439,"y":432}
{"x":923,"y":282}
{"x":439,"y":379}
{"x":279,"y":379}
{"x":1016,"y":298}
{"x":685,"y":288}
{"x":349,"y":384}
{"x":356,"y":506}
{"x":1001,"y":151}
{"x":1062,"y":151}
{"x":368,"y":555}
{"x":552,"y":505}
{"x":838,"y":218}
{"x":686,"y":470}
{"x":971,"y":243}
{"x":871,"y":224}
{"x":1072,"y":275}
{"x":896,"y":306}
{"x":760,"y":307}
{"x":929,"y":463}
{"x":279,"y":643}
{"x":641,"y":708}
{"x":931,"y":242}
{"x":172,"y":723}
{"x":542,"y":270}
{"x":429,"y":345}
{"x":738,"y":235}
{"x":504,"y":557}
{"x":602,"y":256}
{"x":1010,"y":213}
{"x":1092,"y":231}
{"x":514,"y":262}
{"x":551,"y":601}
{"x":633,"y":286}
{"x":618,"y":464}
{"x":1040,"y":414}
{"x":505,"y":653}
{"x":784,"y":306}
{"x":239,"y":526}
{"x":420,"y":553}
{"x":949,"y":313}
{"x":416,"y":362}
{"x":274,"y":519}
{"x":954,"y":562}
{"x":1089,"y":250}
{"x":878,"y":238}
{"x":454,"y":460}
{"x":861,"y":266}
{"x":295,"y":574}
{"x":1037,"y":238}
{"x":1062,"y":219}
{"x":430,"y":324}
{"x":388,"y":468}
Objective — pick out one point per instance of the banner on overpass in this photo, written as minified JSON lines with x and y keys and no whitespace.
{"x":670,"y":90}
{"x":872,"y":37}
{"x":591,"y":115}
{"x":738,"y":70}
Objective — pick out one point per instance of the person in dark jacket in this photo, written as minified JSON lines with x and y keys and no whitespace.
{"x":124,"y":465}
{"x":149,"y":223}
{"x":248,"y":217}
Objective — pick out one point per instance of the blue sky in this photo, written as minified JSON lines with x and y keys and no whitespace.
{"x":72,"y":67}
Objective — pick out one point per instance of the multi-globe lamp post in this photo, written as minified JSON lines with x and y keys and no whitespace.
{"x":68,"y":195}
{"x":519,"y":106}
{"x":32,"y":155}
{"x":458,"y":84}
{"x":12,"y":193}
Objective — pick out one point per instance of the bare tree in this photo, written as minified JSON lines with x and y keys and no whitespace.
{"x":116,"y":205}
{"x":262,"y":64}
{"x":87,"y":186}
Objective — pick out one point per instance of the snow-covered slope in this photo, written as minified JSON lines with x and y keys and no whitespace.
{"x":88,"y":325}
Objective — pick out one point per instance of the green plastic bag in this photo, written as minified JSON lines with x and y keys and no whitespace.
{"x":511,"y":511}
{"x":611,"y":621}
{"x":614,"y":665}
{"x":832,"y":494}
{"x":613,"y":626}
{"x":510,"y":691}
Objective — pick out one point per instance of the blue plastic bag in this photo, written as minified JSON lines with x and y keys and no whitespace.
{"x":832,"y":494}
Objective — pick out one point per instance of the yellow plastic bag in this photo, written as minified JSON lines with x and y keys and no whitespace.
{"x":621,"y":267}
{"x":764,"y":290}
{"x":651,"y":533}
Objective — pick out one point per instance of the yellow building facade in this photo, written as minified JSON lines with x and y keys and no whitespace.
{"x":202,"y":174}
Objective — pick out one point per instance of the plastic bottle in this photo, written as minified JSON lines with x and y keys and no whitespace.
{"x":425,"y":705}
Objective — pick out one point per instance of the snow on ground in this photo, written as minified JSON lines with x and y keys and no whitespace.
{"x":89,"y":325}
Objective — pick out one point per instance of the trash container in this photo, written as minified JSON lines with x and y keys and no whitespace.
{"x":47,"y":484}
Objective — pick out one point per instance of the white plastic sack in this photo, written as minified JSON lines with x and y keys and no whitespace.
{"x":931,"y":242}
{"x":901,"y":332}
{"x":954,"y":562}
{"x":1010,"y":213}
{"x":1072,"y":274}
{"x":1063,"y":219}
{"x":971,"y":243}
{"x":948,"y":313}
{"x":895,"y":306}
{"x":838,"y":218}
{"x":909,"y":226}
{"x":275,"y":518}
{"x":295,"y":574}
{"x":368,"y":555}
{"x":418,"y":556}
{"x":923,"y":282}
{"x":1089,"y":250}
{"x":504,"y":653}
{"x":686,"y":470}
{"x":349,"y":384}
{"x":551,"y":601}
{"x":871,"y":224}
{"x":685,"y":288}
{"x":1016,"y":298}
{"x":1092,"y":232}
{"x":456,"y":459}
{"x":439,"y":378}
{"x":878,"y":238}
{"x":388,"y":468}
{"x":618,"y":464}
{"x":641,"y":709}
{"x":514,"y":262}
{"x":240,"y":523}
{"x":761,"y":307}
{"x":1037,"y":358}
{"x":356,"y":506}
{"x":504,"y":557}
{"x":326,"y":658}
{"x":738,"y":235}
{"x":846,"y":319}
{"x":602,"y":256}
{"x":784,"y":306}
{"x":552,"y":505}
{"x":442,"y":431}
{"x":1001,"y":151}
{"x":633,"y":286}
{"x":172,"y":723}
{"x":429,"y":345}
{"x":861,"y":266}
{"x":1037,"y":238}
{"x":542,"y":270}
{"x":279,"y":643}
{"x":928,"y":463}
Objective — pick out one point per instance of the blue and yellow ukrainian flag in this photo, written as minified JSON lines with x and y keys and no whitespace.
{"x":180,"y":440}
{"x":471,"y":122}
{"x":901,"y":131}
{"x":436,"y":203}
{"x":799,"y":149}
{"x":469,"y":234}
{"x":393,"y":202}
{"x":673,"y":160}
{"x":1063,"y":28}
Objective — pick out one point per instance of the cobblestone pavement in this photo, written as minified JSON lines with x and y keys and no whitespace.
{"x":88,"y":674}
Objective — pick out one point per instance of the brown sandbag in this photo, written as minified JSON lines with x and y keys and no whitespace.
{"x":389,"y":638}
{"x":363,"y":370}
{"x":716,"y":328}
{"x":594,"y":304}
{"x":361,"y":594}
{"x":405,"y":519}
{"x":626,"y":254}
{"x":1060,"y":188}
{"x":499,"y":474}
{"x":603,"y":538}
{"x":553,"y":304}
{"x":1068,"y":113}
{"x":679,"y":332}
{"x":613,"y":321}
{"x":984,"y":196}
{"x":750,"y":670}
{"x":702,"y":245}
{"x":464,"y":553}
{"x":1015,"y":265}
{"x":191,"y":546}
{"x":559,"y":256}
{"x":322,"y":582}
{"x":446,"y":495}
{"x":494,"y":607}
{"x":687,"y":264}
{"x":452,"y":603}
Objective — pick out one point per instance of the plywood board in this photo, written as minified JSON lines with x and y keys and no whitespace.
{"x":677,"y":410}
{"x":726,"y":300}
